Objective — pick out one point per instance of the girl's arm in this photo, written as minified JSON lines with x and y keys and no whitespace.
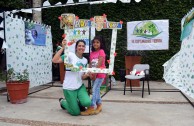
{"x":85,"y":75}
{"x":100,"y":59}
{"x":57,"y":56}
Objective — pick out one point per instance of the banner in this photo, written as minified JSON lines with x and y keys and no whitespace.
{"x":148,"y":35}
{"x":35,"y":34}
{"x":80,"y":33}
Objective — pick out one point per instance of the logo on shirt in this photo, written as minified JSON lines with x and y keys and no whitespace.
{"x":80,"y":64}
{"x":94,"y":62}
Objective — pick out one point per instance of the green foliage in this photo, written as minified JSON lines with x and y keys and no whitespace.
{"x":174,"y":10}
{"x":15,"y":76}
{"x":2,"y":76}
{"x":15,"y":4}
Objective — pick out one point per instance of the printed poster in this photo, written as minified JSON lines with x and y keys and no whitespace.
{"x":80,"y":33}
{"x":148,"y":35}
{"x":35,"y":34}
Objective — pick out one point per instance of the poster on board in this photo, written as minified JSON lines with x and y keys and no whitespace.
{"x":35,"y":34}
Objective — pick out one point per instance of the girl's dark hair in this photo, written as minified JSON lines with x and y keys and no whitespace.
{"x":101,"y":40}
{"x":78,"y":43}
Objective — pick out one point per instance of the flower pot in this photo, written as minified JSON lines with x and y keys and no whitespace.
{"x":18,"y":91}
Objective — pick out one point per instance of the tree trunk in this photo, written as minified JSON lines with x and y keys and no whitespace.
{"x":37,"y":15}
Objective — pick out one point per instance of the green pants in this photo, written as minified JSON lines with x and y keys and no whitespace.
{"x":73,"y":97}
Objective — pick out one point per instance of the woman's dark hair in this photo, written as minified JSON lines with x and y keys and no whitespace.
{"x":78,"y":43}
{"x":101,"y":40}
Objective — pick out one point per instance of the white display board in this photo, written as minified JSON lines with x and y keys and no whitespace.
{"x":179,"y":70}
{"x":148,"y":35}
{"x":36,"y":59}
{"x":70,"y":22}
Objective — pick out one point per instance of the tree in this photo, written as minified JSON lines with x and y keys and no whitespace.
{"x":37,"y":15}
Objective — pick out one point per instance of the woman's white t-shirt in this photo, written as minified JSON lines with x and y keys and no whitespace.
{"x":73,"y":80}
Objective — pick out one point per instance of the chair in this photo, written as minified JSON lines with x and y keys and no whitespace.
{"x":139,"y":67}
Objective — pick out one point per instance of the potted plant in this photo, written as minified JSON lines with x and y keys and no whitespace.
{"x":17,"y":86}
{"x":2,"y":81}
{"x":2,"y":76}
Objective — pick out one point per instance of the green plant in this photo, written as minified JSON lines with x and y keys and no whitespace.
{"x":135,"y":53}
{"x":17,"y":76}
{"x":173,"y":10}
{"x":2,"y":76}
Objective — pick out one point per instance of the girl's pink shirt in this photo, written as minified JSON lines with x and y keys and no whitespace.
{"x":94,"y":61}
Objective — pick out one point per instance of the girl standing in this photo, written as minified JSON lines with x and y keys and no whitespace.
{"x":97,"y":60}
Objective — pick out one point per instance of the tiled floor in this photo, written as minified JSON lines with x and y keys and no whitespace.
{"x":160,"y":108}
